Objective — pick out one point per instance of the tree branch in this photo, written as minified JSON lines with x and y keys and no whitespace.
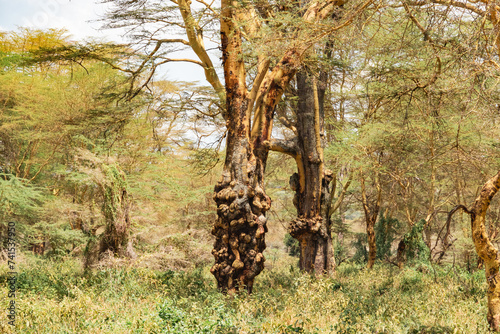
{"x":340,"y":199}
{"x":195,"y":37}
{"x":282,"y":145}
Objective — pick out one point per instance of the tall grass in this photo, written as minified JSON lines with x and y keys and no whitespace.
{"x":57,"y":297}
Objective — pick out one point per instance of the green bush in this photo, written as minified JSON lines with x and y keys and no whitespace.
{"x":416,"y":249}
{"x":182,"y":318}
{"x":361,"y":255}
{"x":58,"y":297}
{"x":385,"y":232}
{"x":292,"y":245}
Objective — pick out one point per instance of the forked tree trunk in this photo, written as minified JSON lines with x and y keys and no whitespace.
{"x":240,"y":196}
{"x":312,"y":227}
{"x":485,"y":249}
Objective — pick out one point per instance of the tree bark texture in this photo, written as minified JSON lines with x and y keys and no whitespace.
{"x":240,"y":196}
{"x":371,"y":209}
{"x":372,"y":246}
{"x":485,"y":249}
{"x":312,"y":195}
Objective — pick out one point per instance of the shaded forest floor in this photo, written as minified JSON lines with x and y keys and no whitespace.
{"x":57,"y":297}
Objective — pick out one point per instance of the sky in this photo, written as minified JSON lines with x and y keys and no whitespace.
{"x":80,"y":18}
{"x":74,"y":15}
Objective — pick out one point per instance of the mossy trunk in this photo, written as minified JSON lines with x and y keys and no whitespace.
{"x":485,"y":249}
{"x":116,"y":210}
{"x":312,"y":196}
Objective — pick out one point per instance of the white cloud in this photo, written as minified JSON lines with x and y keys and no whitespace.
{"x":80,"y":18}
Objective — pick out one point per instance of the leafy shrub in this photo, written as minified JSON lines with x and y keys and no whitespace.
{"x":340,"y":251}
{"x":361,"y":255}
{"x":186,"y":283}
{"x":385,"y":231}
{"x":416,"y":249}
{"x":411,"y":281}
{"x":217,"y":318}
{"x":292,"y":244}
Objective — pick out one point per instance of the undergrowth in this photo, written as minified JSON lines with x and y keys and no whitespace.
{"x":58,"y":297}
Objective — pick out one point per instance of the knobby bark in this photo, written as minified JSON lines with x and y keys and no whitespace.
{"x":312,"y":227}
{"x":240,"y":195}
{"x":485,"y":249}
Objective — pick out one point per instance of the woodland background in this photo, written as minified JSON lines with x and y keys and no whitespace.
{"x":92,"y":134}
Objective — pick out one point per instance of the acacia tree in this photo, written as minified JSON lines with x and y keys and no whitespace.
{"x":371,"y":207}
{"x":63,"y":110}
{"x":240,"y":195}
{"x":312,"y":227}
{"x":248,"y":108}
{"x":486,"y":33}
{"x":311,"y":183}
{"x":461,"y":94}
{"x":484,"y":247}
{"x":314,"y":185}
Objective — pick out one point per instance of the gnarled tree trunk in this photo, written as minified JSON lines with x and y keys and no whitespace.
{"x":240,"y":195}
{"x":485,"y":249}
{"x":312,"y":227}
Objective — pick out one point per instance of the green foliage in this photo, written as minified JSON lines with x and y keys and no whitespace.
{"x":57,"y":297}
{"x":217,"y":319}
{"x":340,"y":251}
{"x":59,"y":235}
{"x":11,"y":60}
{"x":385,"y":232}
{"x":204,"y":159}
{"x":361,"y":254}
{"x":416,"y":249}
{"x":292,"y":244}
{"x":17,"y":197}
{"x":115,"y":186}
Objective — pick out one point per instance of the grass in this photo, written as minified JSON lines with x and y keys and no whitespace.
{"x":57,"y":297}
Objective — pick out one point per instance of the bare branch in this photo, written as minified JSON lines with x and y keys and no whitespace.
{"x":340,"y":199}
{"x":444,"y":241}
{"x":172,"y":40}
{"x":195,"y":37}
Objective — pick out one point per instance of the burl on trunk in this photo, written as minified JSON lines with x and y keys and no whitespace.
{"x":311,"y":183}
